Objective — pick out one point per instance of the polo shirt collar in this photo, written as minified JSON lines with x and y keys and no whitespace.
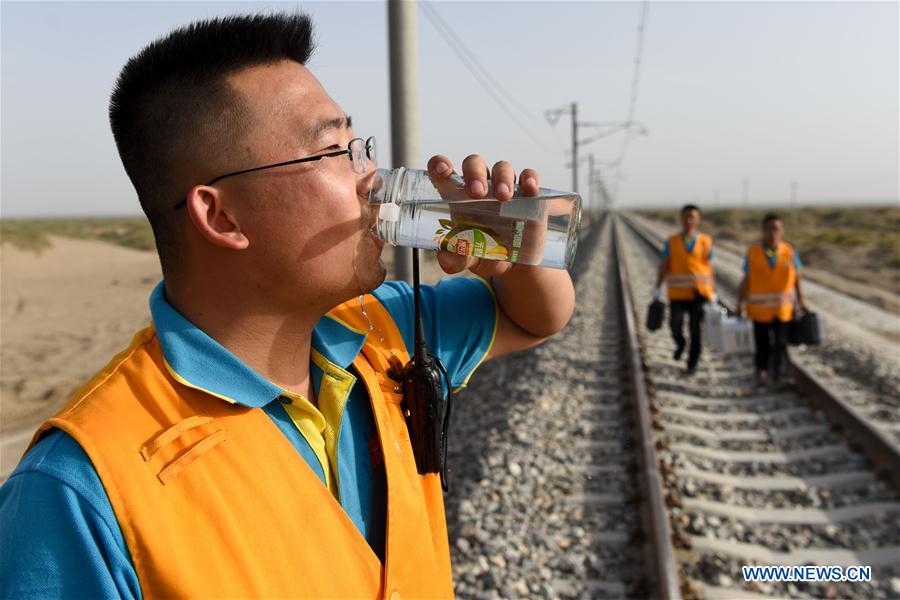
{"x":198,"y":361}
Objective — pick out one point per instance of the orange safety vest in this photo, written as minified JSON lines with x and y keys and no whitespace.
{"x":214,"y":502}
{"x":689,"y":272}
{"x":770,"y":291}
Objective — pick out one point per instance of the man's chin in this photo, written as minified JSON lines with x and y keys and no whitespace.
{"x":369,"y":280}
{"x":382,"y":274}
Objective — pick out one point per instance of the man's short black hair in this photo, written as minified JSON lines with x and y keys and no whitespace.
{"x":688,"y":207}
{"x":172,"y":105}
{"x":771,"y":217}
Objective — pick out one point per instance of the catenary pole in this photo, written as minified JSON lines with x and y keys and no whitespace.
{"x":404,"y":111}
{"x":574,"y":109}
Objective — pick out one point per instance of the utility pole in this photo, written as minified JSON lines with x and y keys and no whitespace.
{"x":606,"y":128}
{"x":746,"y":185}
{"x":574,"y":108}
{"x":590,"y":198}
{"x":404,"y":113}
{"x":605,"y":198}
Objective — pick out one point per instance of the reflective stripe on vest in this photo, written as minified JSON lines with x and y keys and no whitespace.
{"x":770,"y":290}
{"x":689,"y":272}
{"x":214,"y":501}
{"x":688,"y":281}
{"x":770,"y":299}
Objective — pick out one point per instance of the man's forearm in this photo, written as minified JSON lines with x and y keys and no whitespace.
{"x":540,"y":301}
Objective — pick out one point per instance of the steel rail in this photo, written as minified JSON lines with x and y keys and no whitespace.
{"x":659,"y":550}
{"x":882,"y":451}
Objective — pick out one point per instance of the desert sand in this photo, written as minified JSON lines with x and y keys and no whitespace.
{"x":64,"y":313}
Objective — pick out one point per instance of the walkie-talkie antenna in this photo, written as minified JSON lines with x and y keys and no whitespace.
{"x":421,"y":350}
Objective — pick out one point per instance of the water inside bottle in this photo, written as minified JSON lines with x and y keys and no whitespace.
{"x":477,"y":229}
{"x":539,"y":230}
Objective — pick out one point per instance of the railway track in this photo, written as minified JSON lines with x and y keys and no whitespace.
{"x":858,"y":358}
{"x":868,"y":411}
{"x":552,"y":491}
{"x":755,"y":476}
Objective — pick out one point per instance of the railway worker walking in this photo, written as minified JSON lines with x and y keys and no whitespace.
{"x":251,"y":442}
{"x":770,"y":287}
{"x":686,"y":268}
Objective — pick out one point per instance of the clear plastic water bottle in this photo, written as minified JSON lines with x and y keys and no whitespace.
{"x":417,"y":212}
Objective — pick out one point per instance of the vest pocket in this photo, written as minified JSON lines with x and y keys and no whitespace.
{"x":172,"y":470}
{"x":171,"y":434}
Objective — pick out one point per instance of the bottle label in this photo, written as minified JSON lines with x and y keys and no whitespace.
{"x":476,"y":240}
{"x":518,"y":230}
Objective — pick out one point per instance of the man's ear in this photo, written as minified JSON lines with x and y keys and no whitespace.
{"x":213,"y":219}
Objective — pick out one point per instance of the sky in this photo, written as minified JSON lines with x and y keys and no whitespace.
{"x":738,"y":100}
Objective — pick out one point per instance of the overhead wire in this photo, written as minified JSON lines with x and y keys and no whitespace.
{"x":433,"y":11}
{"x":635,"y":81}
{"x":479,"y":72}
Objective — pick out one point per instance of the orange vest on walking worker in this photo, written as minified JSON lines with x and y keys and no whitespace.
{"x":214,"y":502}
{"x":770,"y":289}
{"x":689,"y":272}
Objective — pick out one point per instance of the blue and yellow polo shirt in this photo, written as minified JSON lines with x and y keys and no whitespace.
{"x":688,"y":245}
{"x":60,"y":536}
{"x":771,"y":258}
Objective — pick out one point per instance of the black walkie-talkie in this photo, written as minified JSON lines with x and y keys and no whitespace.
{"x":427,"y":407}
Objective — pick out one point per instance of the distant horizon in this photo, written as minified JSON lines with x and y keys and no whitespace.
{"x":706,"y":206}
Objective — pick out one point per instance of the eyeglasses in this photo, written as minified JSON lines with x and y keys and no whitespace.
{"x":358,"y":150}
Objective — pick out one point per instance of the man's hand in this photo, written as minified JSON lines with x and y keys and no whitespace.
{"x":476,"y":175}
{"x":534,"y":302}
